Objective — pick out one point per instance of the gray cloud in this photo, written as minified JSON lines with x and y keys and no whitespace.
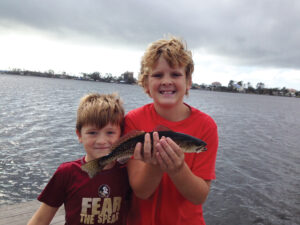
{"x":249,"y":32}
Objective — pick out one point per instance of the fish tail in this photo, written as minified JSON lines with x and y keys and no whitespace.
{"x":92,"y":168}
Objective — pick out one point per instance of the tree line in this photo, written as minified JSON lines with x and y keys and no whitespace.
{"x":128,"y":78}
{"x":241,"y":87}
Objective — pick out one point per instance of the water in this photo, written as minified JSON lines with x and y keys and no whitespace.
{"x":258,"y":163}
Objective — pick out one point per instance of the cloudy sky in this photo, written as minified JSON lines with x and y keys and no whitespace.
{"x":241,"y":40}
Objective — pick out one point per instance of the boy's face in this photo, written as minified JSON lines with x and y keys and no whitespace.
{"x":97,"y":142}
{"x":166,"y":85}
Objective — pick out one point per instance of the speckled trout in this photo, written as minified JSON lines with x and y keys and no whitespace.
{"x":124,"y":148}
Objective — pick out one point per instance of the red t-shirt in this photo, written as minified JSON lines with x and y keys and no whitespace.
{"x":100,"y":200}
{"x":167,"y":206}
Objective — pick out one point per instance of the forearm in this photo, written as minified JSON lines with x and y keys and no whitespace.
{"x":35,"y":220}
{"x":144,"y":178}
{"x":43,"y":215}
{"x":192,"y":187}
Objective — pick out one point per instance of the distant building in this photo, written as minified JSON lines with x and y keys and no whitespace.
{"x":128,"y":76}
{"x":215,"y":86}
{"x":260,"y":85}
{"x":291,"y":92}
{"x":238,"y":87}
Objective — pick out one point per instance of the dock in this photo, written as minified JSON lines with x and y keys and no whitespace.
{"x":20,"y":213}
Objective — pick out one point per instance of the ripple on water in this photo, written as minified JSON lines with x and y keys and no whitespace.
{"x":257,"y":165}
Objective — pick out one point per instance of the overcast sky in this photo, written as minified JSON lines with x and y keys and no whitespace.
{"x":241,"y":40}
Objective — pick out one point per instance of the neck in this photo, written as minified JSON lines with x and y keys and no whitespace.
{"x":174,"y":114}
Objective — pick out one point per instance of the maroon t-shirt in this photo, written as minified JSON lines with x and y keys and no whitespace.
{"x":104,"y":199}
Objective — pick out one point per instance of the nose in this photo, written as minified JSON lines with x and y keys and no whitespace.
{"x":166,"y":79}
{"x":100,"y":139}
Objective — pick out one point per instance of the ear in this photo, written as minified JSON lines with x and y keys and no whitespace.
{"x":188,"y":84}
{"x":79,"y":136}
{"x":146,"y":88}
{"x":147,"y":91}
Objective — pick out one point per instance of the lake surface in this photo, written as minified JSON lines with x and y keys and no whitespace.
{"x":258,"y":163}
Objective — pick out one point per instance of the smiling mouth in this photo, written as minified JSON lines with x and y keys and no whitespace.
{"x":167,"y":92}
{"x":102,"y":148}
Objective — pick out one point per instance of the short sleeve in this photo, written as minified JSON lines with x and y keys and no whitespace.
{"x":54,"y":192}
{"x":129,"y":124}
{"x":204,"y":163}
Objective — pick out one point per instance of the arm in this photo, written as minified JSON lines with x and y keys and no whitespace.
{"x":143,"y":178}
{"x":143,"y":171}
{"x":43,"y":215}
{"x":171,"y":160}
{"x":193,"y":188}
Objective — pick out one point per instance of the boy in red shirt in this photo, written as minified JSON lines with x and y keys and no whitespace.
{"x":104,"y":198}
{"x":170,"y":186}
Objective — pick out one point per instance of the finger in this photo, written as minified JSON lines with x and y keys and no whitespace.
{"x":175,"y":153}
{"x":147,"y":147}
{"x":168,"y":150}
{"x":176,"y":149}
{"x":162,"y":138}
{"x":138,"y":151}
{"x":160,"y":160}
{"x":165,"y":153}
{"x":155,"y":141}
{"x":155,"y":138}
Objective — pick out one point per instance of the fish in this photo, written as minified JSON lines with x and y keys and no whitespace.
{"x":123,"y":149}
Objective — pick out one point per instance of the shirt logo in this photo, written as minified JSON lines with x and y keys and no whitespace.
{"x":104,"y":191}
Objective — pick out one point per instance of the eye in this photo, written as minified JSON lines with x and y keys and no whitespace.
{"x":92,"y":133}
{"x":156,"y":75}
{"x":110,"y":132}
{"x":176,"y":74}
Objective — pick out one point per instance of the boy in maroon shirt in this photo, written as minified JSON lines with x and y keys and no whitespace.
{"x":104,"y":198}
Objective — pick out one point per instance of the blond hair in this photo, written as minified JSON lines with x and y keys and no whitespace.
{"x":174,"y":51}
{"x":100,"y":110}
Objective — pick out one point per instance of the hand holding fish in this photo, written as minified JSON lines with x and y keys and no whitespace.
{"x":147,"y":154}
{"x":139,"y":144}
{"x":170,"y":156}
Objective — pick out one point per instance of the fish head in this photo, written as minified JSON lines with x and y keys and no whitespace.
{"x":191,"y":148}
{"x":192,"y":145}
{"x":200,"y":149}
{"x":188,"y":143}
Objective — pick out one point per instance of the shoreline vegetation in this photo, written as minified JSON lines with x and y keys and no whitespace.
{"x":128,"y":78}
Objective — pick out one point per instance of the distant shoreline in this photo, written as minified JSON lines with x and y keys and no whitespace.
{"x":127,"y":78}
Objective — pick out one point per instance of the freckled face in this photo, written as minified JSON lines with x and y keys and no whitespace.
{"x":166,"y":85}
{"x":97,"y":142}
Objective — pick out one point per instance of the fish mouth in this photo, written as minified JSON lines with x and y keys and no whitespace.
{"x":200,"y":149}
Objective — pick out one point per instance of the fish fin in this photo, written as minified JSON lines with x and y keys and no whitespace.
{"x":161,"y":128}
{"x":92,"y":168}
{"x":126,"y":137}
{"x":123,"y":160}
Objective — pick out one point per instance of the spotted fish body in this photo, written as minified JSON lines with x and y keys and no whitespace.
{"x":124,"y":148}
